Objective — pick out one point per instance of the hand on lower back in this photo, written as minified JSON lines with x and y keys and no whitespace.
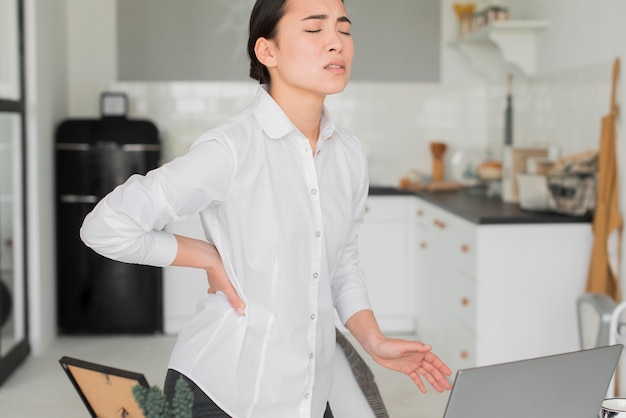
{"x":200,"y":254}
{"x":219,"y":282}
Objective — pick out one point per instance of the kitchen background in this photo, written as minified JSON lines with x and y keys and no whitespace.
{"x":73,"y":56}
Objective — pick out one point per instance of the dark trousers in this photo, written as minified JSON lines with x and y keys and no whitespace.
{"x":203,"y":406}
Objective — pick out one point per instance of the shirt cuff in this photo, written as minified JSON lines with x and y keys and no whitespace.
{"x":348,"y":306}
{"x":165,"y":249}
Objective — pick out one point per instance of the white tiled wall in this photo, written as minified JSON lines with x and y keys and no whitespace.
{"x":562,"y":108}
{"x":395,"y":121}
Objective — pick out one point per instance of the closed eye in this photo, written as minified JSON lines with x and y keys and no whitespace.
{"x":313,"y":30}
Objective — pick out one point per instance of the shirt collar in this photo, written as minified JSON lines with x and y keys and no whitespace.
{"x":275,"y":122}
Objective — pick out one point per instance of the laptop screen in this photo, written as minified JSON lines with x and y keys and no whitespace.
{"x":571,"y":385}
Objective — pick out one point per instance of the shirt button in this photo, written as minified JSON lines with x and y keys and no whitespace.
{"x":307,"y":395}
{"x":318,"y":234}
{"x":315,"y":275}
{"x":313,"y":316}
{"x":311,"y":355}
{"x":314,"y":191}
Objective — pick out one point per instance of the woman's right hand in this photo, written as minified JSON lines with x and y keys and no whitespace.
{"x":200,"y":254}
{"x":219,"y":281}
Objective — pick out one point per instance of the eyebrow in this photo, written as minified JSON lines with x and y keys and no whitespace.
{"x":322,"y":17}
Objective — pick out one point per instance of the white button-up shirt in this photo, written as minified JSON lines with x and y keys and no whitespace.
{"x":285,"y":220}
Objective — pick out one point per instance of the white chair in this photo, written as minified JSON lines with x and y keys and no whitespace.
{"x":594,"y":317}
{"x":617,"y":335}
{"x":601,"y":322}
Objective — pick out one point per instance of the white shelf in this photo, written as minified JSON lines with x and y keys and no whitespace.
{"x":511,"y":42}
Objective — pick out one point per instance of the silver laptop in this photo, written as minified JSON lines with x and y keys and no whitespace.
{"x":570,"y":385}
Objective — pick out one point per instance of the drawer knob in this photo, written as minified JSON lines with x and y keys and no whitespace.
{"x":465,"y":248}
{"x":439,"y":224}
{"x":464,"y":355}
{"x":420,"y":212}
{"x":465,"y":301}
{"x":423,"y":245}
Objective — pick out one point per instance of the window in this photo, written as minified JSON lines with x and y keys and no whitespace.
{"x":14,"y":346}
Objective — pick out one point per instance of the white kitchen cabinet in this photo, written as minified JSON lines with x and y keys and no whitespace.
{"x":387,"y":255}
{"x":492,"y":293}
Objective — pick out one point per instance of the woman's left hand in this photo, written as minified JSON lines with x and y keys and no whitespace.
{"x":414,"y":359}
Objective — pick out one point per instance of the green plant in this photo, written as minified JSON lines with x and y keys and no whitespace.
{"x":154,"y":405}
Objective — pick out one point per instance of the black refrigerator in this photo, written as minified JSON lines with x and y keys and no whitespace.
{"x":96,"y":295}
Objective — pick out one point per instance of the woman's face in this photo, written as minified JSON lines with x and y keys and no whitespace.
{"x":313,"y":48}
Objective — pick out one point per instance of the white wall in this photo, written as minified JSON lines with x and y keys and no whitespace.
{"x":46,"y":101}
{"x":580,"y":33}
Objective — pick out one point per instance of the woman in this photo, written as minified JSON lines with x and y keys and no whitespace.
{"x":281,"y":193}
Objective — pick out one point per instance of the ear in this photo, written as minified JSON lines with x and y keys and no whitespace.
{"x":264,"y":50}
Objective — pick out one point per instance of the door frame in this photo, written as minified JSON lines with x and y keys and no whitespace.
{"x":21,"y":350}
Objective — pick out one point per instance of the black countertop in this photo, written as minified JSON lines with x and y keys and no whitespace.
{"x":473,"y":205}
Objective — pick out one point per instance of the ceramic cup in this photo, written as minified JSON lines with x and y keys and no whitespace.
{"x":615,"y":407}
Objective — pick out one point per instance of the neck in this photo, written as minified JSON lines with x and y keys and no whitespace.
{"x":304,"y":111}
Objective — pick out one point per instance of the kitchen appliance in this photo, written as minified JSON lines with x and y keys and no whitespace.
{"x":96,"y":295}
{"x":533,"y":192}
{"x":514,"y":163}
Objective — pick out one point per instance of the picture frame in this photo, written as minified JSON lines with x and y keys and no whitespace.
{"x":107,"y":392}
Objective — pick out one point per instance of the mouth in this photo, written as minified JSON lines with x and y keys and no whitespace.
{"x":336,"y":68}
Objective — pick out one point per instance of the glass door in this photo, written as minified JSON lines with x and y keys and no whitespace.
{"x":14,"y":346}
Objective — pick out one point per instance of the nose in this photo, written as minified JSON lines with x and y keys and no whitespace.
{"x":334,"y":42}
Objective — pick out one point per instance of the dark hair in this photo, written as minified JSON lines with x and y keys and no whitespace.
{"x":263,"y":22}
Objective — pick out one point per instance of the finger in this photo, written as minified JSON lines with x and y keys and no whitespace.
{"x":418,"y":381}
{"x":435,"y":377}
{"x":234,"y":300}
{"x":438,"y":364}
{"x":432,"y":379}
{"x":420,"y":347}
{"x":407,"y":347}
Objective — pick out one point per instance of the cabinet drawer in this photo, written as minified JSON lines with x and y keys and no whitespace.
{"x":467,"y":355}
{"x":434,"y":220}
{"x":385,"y":208}
{"x":427,"y":214}
{"x":467,"y":301}
{"x":460,"y":348}
{"x":465,"y":247}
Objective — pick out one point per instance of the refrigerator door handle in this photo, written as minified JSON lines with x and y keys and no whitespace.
{"x":141,"y":147}
{"x":78,"y":198}
{"x":74,"y":146}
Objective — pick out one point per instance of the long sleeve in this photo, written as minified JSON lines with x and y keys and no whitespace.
{"x":127,"y":224}
{"x":348,"y":282}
